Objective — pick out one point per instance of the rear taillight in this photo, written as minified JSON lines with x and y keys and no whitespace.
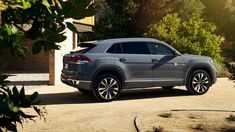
{"x":80,"y":59}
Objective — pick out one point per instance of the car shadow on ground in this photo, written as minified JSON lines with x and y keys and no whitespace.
{"x":79,"y":98}
{"x":151,"y":93}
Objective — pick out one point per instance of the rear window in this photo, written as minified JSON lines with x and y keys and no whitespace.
{"x":84,"y":47}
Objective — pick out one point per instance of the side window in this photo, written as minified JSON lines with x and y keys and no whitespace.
{"x":111,"y":49}
{"x":115,"y":48}
{"x":135,"y":48}
{"x":118,"y":49}
{"x":159,"y":49}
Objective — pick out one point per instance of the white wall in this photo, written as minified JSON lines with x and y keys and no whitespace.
{"x":55,"y":59}
{"x":66,"y":47}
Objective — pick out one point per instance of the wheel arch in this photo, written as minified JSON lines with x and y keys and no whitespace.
{"x":194,"y":68}
{"x":117,"y":72}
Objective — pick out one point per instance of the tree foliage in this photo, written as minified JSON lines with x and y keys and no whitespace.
{"x":42,"y":21}
{"x":152,"y":11}
{"x":222,"y":13}
{"x":128,"y":18}
{"x":195,"y":36}
{"x":39,"y":20}
{"x":12,"y":102}
{"x":113,"y":18}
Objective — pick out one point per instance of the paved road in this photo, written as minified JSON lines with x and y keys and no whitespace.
{"x":29,"y":80}
{"x":69,"y":110}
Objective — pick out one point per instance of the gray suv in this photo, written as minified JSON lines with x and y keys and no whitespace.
{"x":108,"y":66}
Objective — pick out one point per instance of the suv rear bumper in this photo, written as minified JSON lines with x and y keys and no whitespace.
{"x":74,"y":82}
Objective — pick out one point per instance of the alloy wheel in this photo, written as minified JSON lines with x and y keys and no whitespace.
{"x":108,"y":88}
{"x":200,"y":82}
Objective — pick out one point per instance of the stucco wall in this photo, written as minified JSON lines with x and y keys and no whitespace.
{"x":31,"y":62}
{"x":56,"y":58}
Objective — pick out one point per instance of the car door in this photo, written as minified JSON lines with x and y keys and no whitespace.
{"x":167,"y":66}
{"x":136,"y":63}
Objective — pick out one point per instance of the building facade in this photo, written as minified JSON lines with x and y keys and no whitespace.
{"x":50,"y":62}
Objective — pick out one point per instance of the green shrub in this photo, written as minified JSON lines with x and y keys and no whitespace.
{"x":11,"y":103}
{"x":158,"y":129}
{"x":165,"y":115}
{"x":195,"y":36}
{"x":231,"y":117}
{"x":227,"y":129}
{"x":231,"y":69}
{"x":222,"y":70}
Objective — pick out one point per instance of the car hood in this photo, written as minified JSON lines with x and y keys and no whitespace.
{"x":190,"y":57}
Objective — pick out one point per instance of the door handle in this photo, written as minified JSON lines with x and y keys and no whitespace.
{"x":155,"y":60}
{"x":122,"y":59}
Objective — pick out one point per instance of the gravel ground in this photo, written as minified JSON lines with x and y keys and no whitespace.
{"x":71,"y":111}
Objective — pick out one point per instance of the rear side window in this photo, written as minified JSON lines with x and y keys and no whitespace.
{"x":84,"y":47}
{"x":135,"y":48}
{"x":116,"y":48}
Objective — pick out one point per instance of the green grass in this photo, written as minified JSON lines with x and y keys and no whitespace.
{"x":228,"y":129}
{"x":158,"y":129}
{"x":231,"y":118}
{"x":165,"y":115}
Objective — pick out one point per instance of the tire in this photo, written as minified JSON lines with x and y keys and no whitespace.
{"x":84,"y":91}
{"x":198,"y":83}
{"x":102,"y":90}
{"x":168,"y":87}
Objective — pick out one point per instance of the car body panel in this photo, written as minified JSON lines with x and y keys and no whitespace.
{"x":137,"y":69}
{"x":168,"y":69}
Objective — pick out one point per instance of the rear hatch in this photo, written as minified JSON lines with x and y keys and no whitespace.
{"x":81,"y":49}
{"x":75,"y":61}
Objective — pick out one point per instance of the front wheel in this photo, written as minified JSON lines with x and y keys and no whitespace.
{"x":199,"y":82}
{"x":106,"y":88}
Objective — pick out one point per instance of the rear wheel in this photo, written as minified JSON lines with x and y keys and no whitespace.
{"x":106,"y":87}
{"x":199,"y":82}
{"x":168,"y":87}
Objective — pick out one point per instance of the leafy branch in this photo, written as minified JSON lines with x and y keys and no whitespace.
{"x":12,"y":101}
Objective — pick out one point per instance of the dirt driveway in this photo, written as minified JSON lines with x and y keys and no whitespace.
{"x":69,"y":110}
